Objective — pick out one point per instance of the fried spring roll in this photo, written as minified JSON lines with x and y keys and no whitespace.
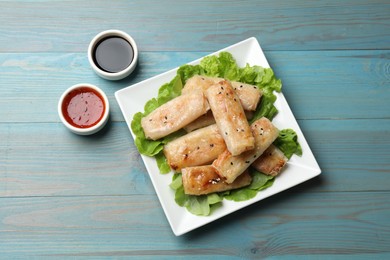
{"x":230,"y":117}
{"x":174,"y":115}
{"x":208,"y":119}
{"x":271,"y":162}
{"x":200,"y":180}
{"x":202,"y":121}
{"x":199,"y":147}
{"x":249,"y":95}
{"x":230,"y":167}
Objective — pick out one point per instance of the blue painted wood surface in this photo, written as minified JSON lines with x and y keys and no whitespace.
{"x":63,"y":195}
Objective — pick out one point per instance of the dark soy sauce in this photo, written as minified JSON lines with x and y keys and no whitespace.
{"x":113,"y":54}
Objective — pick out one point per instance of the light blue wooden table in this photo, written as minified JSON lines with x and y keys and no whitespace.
{"x":63,"y":195}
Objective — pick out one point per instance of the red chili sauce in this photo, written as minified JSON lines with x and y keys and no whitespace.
{"x":83,"y":107}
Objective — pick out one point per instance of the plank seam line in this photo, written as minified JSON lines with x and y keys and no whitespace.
{"x":154,"y":195}
{"x":204,"y":51}
{"x":298,"y":119}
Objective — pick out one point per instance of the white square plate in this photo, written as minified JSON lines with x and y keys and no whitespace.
{"x":299,"y":169}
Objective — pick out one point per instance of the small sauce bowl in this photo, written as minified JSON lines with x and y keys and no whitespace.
{"x":84,"y":109}
{"x":113,"y":54}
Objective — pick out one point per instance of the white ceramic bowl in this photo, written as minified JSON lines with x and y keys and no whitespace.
{"x":83,"y":130}
{"x":112,"y":75}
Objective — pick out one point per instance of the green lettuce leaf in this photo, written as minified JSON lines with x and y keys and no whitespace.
{"x":136,"y":125}
{"x":150,"y":106}
{"x":176,"y":181}
{"x":252,"y":74}
{"x":210,"y":65}
{"x":187,"y":71}
{"x":198,"y":205}
{"x":169,"y":90}
{"x":162,"y":163}
{"x":214,"y":198}
{"x":224,"y":66}
{"x":148,"y":147}
{"x":266,"y":108}
{"x":287,"y":142}
{"x":260,"y":181}
{"x":228,"y":66}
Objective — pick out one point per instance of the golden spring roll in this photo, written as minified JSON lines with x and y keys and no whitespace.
{"x":230,"y":167}
{"x":202,"y":121}
{"x":199,"y":81}
{"x":230,"y":117}
{"x":249,"y":95}
{"x":200,"y":180}
{"x":208,"y":119}
{"x":271,"y":162}
{"x":174,"y":115}
{"x":199,"y":147}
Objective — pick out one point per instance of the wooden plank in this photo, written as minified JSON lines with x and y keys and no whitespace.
{"x":290,"y":224}
{"x":47,"y":160}
{"x":335,"y":84}
{"x":63,"y":195}
{"x":354,"y":155}
{"x":31,"y":84}
{"x":350,"y":84}
{"x":196,"y":25}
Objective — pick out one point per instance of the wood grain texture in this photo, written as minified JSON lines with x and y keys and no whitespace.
{"x":68,"y":196}
{"x":68,"y":26}
{"x":335,"y":84}
{"x":50,"y":160}
{"x":47,"y":160}
{"x":346,"y":223}
{"x":29,"y":93}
